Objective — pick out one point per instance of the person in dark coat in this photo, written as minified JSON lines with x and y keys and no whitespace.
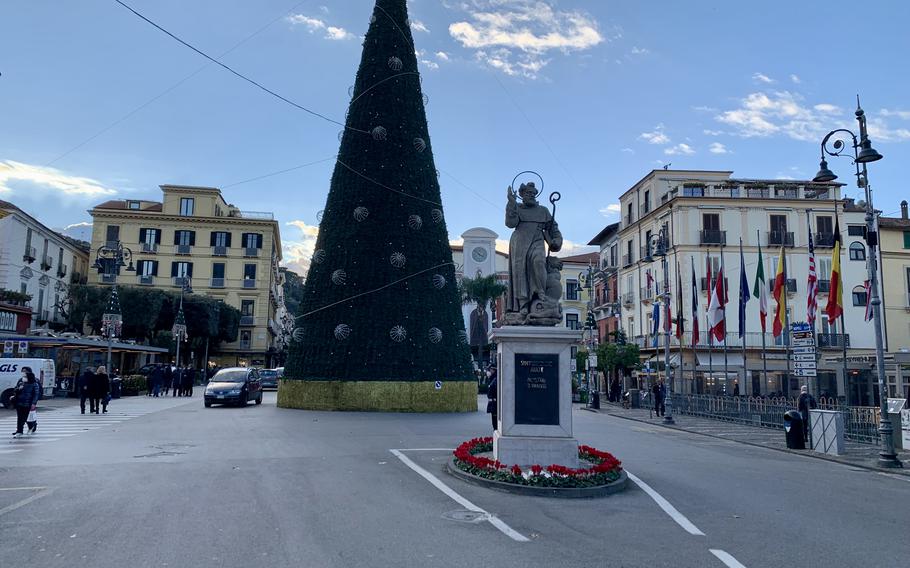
{"x":492,"y":393}
{"x":99,"y":389}
{"x":659,"y":391}
{"x":27,"y":393}
{"x":186,"y":383}
{"x":176,"y":379}
{"x":804,"y":403}
{"x":83,"y":382}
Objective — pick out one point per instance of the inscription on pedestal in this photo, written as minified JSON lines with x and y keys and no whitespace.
{"x":536,"y":389}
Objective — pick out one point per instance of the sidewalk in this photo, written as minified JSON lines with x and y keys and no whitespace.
{"x":857,"y":455}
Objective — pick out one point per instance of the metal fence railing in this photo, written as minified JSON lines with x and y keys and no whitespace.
{"x":860,"y":422}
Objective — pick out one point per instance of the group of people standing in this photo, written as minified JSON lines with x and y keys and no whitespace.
{"x":94,"y":385}
{"x":169,"y":378}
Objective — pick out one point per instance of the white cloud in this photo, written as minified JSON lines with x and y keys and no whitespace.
{"x":418,"y":26}
{"x":570,"y":248}
{"x":515,"y":36}
{"x":442,"y":56}
{"x":718,"y":148}
{"x":611,"y":210}
{"x":796,"y":80}
{"x":828,"y":108}
{"x":627,"y":150}
{"x":298,"y":251}
{"x":315,"y":24}
{"x":703,"y":108}
{"x":640,"y":50}
{"x":16,"y":177}
{"x":904,"y":114}
{"x":679,"y":149}
{"x":656,"y":136}
{"x":710,"y":132}
{"x":762,"y":78}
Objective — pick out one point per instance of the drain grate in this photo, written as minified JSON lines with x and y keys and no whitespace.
{"x":465,"y":516}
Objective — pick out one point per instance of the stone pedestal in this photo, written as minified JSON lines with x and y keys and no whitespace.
{"x":535,"y":396}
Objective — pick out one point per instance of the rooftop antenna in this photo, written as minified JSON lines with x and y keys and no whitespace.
{"x":667,"y":165}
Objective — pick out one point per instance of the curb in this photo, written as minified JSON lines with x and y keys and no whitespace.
{"x":814,"y":455}
{"x":559,"y":492}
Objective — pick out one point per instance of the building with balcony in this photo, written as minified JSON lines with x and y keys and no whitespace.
{"x":705,"y":215}
{"x":607,"y":295}
{"x":40,"y":262}
{"x":894,"y":236}
{"x":193,"y":235}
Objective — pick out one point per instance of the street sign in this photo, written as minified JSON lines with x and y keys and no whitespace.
{"x":438,"y":385}
{"x":804,"y":350}
{"x":23,"y":347}
{"x":573,"y":365}
{"x":592,"y":361}
{"x":801,"y":334}
{"x":804,"y":365}
{"x":803,"y":343}
{"x":805,"y":373}
{"x":804,"y":357}
{"x":800,"y":326}
{"x":7,"y":346}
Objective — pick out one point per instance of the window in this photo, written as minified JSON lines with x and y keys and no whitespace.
{"x":572,"y":321}
{"x":40,"y":302}
{"x":245,"y":339}
{"x":571,"y":289}
{"x":113,"y":233}
{"x":185,"y":238}
{"x":824,"y":225}
{"x":856,"y":230}
{"x":710,"y":222}
{"x":249,"y":272}
{"x":907,"y":239}
{"x":646,"y":206}
{"x":573,"y":351}
{"x":134,"y":205}
{"x":60,"y":260}
{"x":182,"y":269}
{"x":148,"y":267}
{"x":28,"y":239}
{"x":907,"y":270}
{"x":220,"y":239}
{"x":218,"y":270}
{"x":23,"y":287}
{"x":252,"y":240}
{"x":629,"y":216}
{"x":187,"y":204}
{"x":614,"y":255}
{"x":859,"y":296}
{"x":247,"y":307}
{"x":150,"y":237}
{"x":857,"y":251}
{"x":778,"y":224}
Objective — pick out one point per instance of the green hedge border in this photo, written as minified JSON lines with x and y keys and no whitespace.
{"x":378,"y":396}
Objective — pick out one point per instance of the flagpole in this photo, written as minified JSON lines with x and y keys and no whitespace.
{"x":679,"y":318}
{"x":842,"y":321}
{"x":723,"y":303}
{"x":708,"y":323}
{"x":695,"y":297}
{"x":784,"y":294}
{"x":814,"y":335}
{"x":764,"y":348}
{"x":743,"y":278}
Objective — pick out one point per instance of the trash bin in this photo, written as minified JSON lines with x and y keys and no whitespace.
{"x":634,"y":398}
{"x":595,"y":400}
{"x":795,"y":431}
{"x":116,"y":384}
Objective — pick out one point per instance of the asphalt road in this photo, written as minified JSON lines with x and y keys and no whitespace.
{"x":166,"y":482}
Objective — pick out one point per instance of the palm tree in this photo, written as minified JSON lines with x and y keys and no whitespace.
{"x":481,"y":290}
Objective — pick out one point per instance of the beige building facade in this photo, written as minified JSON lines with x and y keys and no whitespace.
{"x":194,"y":236}
{"x":894,"y":235}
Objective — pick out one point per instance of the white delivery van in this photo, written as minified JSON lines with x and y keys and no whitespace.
{"x":11,"y":371}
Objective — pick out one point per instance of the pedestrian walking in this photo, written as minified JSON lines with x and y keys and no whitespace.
{"x":168,"y":378}
{"x":98,"y":390}
{"x":26,"y":396}
{"x":659,"y":391}
{"x":492,"y":392}
{"x":186,"y":382}
{"x":176,"y":379}
{"x":83,"y":382}
{"x":804,"y":403}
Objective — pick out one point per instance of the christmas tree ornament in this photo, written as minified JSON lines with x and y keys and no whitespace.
{"x":398,"y":334}
{"x":420,"y":144}
{"x":415,"y":222}
{"x":439,"y":281}
{"x":395,"y":64}
{"x":339,"y":277}
{"x":361,"y":213}
{"x":435,"y":335}
{"x":379,"y":133}
{"x":318,"y":256}
{"x":342,"y":331}
{"x":397,"y":260}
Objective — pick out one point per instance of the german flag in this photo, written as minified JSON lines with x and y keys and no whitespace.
{"x":780,"y":294}
{"x":835,"y":307}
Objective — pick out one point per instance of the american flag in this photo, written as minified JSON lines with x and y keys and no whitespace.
{"x":812,"y":286}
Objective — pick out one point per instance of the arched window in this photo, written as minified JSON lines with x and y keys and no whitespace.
{"x":857,"y":251}
{"x":859,"y":295}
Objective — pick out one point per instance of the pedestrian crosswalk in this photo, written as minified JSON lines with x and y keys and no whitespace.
{"x":58,"y":424}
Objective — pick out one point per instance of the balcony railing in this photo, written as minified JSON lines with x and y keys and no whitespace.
{"x":30,"y":255}
{"x":249,"y":283}
{"x":780,"y":238}
{"x":627,"y":298}
{"x":146,"y":279}
{"x":645,"y":209}
{"x":245,"y":344}
{"x":825,"y":240}
{"x":626,"y":260}
{"x":184,"y":249}
{"x":833,"y":340}
{"x":47,"y":262}
{"x":824,"y":286}
{"x":217,"y":283}
{"x":790,"y":284}
{"x":61,"y":271}
{"x":219,"y":251}
{"x":150,"y":247}
{"x":108,"y":278}
{"x":247,"y":321}
{"x":647,"y":294}
{"x":181,"y":281}
{"x":251,"y":252}
{"x":711,"y":237}
{"x":704,"y":284}
{"x":627,"y":219}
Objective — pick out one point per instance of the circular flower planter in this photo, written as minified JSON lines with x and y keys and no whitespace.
{"x":603,"y":477}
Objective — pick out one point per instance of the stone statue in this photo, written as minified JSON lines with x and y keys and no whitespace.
{"x":534,"y":281}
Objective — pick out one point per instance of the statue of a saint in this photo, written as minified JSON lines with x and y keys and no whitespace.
{"x":531,"y":272}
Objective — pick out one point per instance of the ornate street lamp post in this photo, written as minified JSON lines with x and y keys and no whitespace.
{"x":179,"y":329}
{"x":659,"y":244}
{"x":863,"y":153}
{"x":109,"y":258}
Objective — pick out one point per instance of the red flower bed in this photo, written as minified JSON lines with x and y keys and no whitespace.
{"x":604,"y":467}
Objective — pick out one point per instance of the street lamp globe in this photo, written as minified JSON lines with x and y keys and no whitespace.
{"x":824,"y":174}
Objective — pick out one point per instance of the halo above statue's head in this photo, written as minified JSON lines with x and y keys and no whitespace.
{"x":529,"y":184}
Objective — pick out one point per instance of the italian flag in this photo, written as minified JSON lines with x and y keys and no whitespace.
{"x":780,"y":294}
{"x":760,"y":290}
{"x":835,"y":306}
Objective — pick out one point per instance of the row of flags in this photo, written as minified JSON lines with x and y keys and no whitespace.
{"x":718,"y":296}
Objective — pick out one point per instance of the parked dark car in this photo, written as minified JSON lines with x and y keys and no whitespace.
{"x":269,"y":378}
{"x":234,"y":385}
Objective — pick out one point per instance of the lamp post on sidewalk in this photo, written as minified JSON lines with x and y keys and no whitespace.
{"x":659,"y":244}
{"x":179,"y":329}
{"x":863,"y":153}
{"x":109,"y":258}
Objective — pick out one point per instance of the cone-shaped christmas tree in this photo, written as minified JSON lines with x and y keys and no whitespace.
{"x":381,"y":322}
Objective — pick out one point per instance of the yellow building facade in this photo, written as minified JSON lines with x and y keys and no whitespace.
{"x":194,"y":236}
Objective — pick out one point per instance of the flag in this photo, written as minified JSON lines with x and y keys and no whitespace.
{"x":668,"y":319}
{"x":650,"y":281}
{"x":868,"y":286}
{"x":679,"y":305}
{"x":812,"y":285}
{"x":743,"y":291}
{"x":780,"y":294}
{"x":656,"y":331}
{"x":694,"y":306}
{"x":760,"y":290}
{"x":716,"y":307}
{"x":835,"y":306}
{"x":710,"y":287}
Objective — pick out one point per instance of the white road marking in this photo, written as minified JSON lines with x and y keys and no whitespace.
{"x":435,"y":481}
{"x":42,"y":492}
{"x":669,"y":509}
{"x":726,"y":558}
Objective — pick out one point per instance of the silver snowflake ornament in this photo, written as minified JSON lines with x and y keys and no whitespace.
{"x":436,"y":214}
{"x":361,"y":213}
{"x":398,"y":334}
{"x":435,"y":335}
{"x":319,"y":256}
{"x":342,"y":331}
{"x":415,"y":222}
{"x":420,"y":144}
{"x":439,"y":281}
{"x":339,"y":277}
{"x":297,"y":334}
{"x":379,"y":133}
{"x":395,"y":64}
{"x":397,"y":260}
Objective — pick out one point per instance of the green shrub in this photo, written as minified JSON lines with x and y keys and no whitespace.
{"x":134,"y":384}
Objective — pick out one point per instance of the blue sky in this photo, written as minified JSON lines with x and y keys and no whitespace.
{"x":592,"y":94}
